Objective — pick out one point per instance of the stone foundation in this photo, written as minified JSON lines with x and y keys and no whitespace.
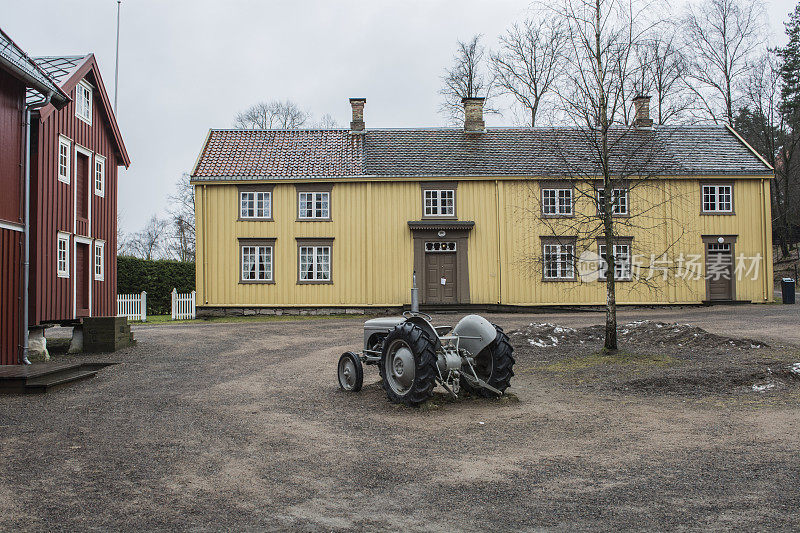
{"x":215,"y":312}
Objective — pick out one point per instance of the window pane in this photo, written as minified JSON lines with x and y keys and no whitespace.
{"x":549,"y":202}
{"x":248,"y":262}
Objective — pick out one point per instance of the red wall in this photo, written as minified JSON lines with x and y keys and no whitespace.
{"x":12,"y":93}
{"x":51,"y":296}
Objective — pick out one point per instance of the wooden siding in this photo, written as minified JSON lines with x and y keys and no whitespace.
{"x":10,"y":296}
{"x":53,"y":210}
{"x":12,"y":94}
{"x":373,"y":253}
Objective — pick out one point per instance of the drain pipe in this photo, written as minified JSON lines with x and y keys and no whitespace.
{"x":27,"y":258}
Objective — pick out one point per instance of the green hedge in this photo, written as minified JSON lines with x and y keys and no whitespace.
{"x":157,"y":278}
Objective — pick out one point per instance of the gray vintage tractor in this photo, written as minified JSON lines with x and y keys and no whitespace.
{"x":413,"y":356}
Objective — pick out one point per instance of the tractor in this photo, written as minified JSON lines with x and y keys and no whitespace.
{"x":413,"y":356}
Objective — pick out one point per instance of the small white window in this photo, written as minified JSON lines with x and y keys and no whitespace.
{"x":559,"y":261}
{"x":557,"y":202}
{"x":83,"y":102}
{"x":99,"y":260}
{"x":622,"y":261}
{"x":315,"y":263}
{"x":619,"y":201}
{"x":99,"y":175}
{"x":64,"y":148}
{"x":255,"y":204}
{"x":440,"y":203}
{"x":718,"y":198}
{"x":256,"y":263}
{"x":314,"y":205}
{"x":62,"y":255}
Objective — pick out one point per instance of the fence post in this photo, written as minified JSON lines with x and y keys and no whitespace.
{"x":174,"y":303}
{"x":144,"y":306}
{"x":194,"y":305}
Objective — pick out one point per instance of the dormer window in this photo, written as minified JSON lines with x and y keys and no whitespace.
{"x":83,"y":102}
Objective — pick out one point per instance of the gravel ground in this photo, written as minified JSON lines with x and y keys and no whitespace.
{"x":242,"y":427}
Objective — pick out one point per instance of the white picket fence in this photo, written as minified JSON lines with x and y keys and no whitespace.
{"x":133,"y":306}
{"x":183,"y":305}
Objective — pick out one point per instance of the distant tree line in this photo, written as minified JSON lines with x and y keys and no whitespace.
{"x":711,"y":64}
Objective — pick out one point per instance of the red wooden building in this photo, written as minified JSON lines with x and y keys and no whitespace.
{"x":17,"y":73}
{"x":75,"y":153}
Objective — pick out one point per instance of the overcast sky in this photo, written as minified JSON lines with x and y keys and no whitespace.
{"x":187,"y":66}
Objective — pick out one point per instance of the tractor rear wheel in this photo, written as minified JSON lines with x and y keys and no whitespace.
{"x":408,"y":365}
{"x":494,"y":365}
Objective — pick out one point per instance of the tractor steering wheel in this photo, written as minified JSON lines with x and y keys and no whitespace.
{"x":409,"y":314}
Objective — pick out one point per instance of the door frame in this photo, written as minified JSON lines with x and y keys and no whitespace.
{"x":90,"y":271}
{"x":714,"y":239}
{"x":79,"y":149}
{"x":457,"y":231}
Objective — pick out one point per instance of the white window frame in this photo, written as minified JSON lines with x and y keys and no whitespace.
{"x":64,"y":143}
{"x":263,"y":263}
{"x":99,"y":175}
{"x":564,"y":254}
{"x":320,"y":269}
{"x":65,"y":239}
{"x":320,"y":205}
{"x":557,"y":202}
{"x":99,"y":273}
{"x":253,"y":198}
{"x":622,"y":262}
{"x":83,"y":89}
{"x":619,"y":201}
{"x":439,"y":202}
{"x":714,"y":201}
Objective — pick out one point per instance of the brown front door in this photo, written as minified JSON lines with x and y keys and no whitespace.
{"x":719,"y":271}
{"x":82,"y":272}
{"x":440,"y":278}
{"x":82,"y":193}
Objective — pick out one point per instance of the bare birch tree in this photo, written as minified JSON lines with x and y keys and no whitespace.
{"x":149,"y":242}
{"x":602,"y":158}
{"x":275,"y":114}
{"x":723,"y":37}
{"x":529,"y":62}
{"x":182,"y":235}
{"x":468,"y":77}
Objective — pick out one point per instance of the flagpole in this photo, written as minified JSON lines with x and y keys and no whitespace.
{"x":116,"y":65}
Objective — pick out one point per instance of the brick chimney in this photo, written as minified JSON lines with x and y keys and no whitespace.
{"x":357,"y":124}
{"x":642,"y":118}
{"x":473,"y":115}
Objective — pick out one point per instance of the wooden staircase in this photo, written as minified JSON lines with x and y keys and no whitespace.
{"x":43,"y":377}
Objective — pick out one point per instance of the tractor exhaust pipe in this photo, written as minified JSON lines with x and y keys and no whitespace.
{"x":414,"y":293}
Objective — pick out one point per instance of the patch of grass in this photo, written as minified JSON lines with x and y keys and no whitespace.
{"x":582,"y":362}
{"x":167,"y":319}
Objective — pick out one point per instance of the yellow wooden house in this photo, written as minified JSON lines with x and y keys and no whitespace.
{"x":475,"y":216}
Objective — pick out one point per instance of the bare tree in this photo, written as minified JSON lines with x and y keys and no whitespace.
{"x":661,"y":73}
{"x":272,"y":115}
{"x":529,"y":61}
{"x":599,"y":155}
{"x":182,"y":239}
{"x":326,"y":122}
{"x":765,"y":128}
{"x":149,"y":242}
{"x":466,"y":78}
{"x":723,"y":36}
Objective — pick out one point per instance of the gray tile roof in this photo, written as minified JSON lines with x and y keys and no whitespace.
{"x":36,"y":78}
{"x":59,"y":68}
{"x":446,"y":152}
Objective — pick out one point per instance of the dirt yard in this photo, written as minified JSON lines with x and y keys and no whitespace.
{"x":242,"y":426}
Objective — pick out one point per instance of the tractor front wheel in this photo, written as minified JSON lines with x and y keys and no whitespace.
{"x":350,"y":372}
{"x":408,"y":365}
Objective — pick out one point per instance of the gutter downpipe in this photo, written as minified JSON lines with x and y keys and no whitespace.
{"x":27,"y":259}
